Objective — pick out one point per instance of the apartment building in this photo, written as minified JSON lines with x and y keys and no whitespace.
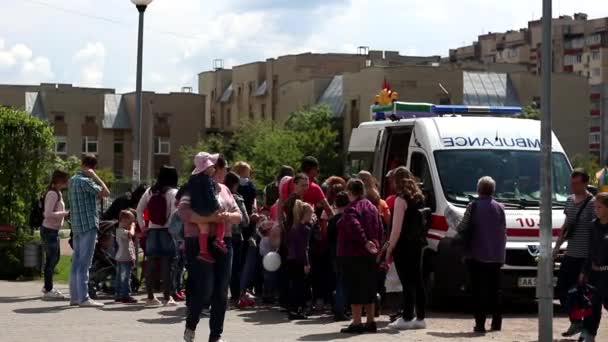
{"x":273,"y":89}
{"x":99,"y":121}
{"x":580,"y":46}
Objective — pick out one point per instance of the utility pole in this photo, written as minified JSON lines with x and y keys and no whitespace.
{"x":544,"y":287}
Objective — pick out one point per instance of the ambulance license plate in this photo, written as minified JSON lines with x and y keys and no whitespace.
{"x":526,"y":282}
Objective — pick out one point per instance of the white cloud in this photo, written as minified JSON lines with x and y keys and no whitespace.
{"x":18,"y":65}
{"x":91,"y":60}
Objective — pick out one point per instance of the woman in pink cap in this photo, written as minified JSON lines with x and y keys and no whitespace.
{"x":203,"y":200}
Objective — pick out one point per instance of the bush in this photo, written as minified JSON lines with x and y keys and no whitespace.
{"x":11,"y":254}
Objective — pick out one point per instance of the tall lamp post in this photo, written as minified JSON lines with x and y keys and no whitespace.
{"x":141,"y":8}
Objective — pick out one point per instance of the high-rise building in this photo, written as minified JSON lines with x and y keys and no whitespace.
{"x":580,"y":46}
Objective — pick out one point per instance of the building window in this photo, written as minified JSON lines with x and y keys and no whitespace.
{"x":89,"y":145}
{"x":595,"y":55}
{"x":162,"y":146}
{"x":251,"y":114}
{"x":579,"y":59}
{"x":594,"y":138}
{"x":263,"y":111}
{"x":228,"y":117}
{"x":119,"y":147}
{"x":213,"y":95}
{"x":59,"y":118}
{"x":213,"y":119}
{"x":89,"y":119}
{"x":61,"y":145}
{"x":596,"y":72}
{"x":595,"y":122}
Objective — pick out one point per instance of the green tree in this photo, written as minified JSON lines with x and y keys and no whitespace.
{"x":71,"y":164}
{"x":530,"y":112}
{"x":317,"y":135}
{"x":213,"y":143}
{"x":26,"y":158}
{"x":589,"y":163}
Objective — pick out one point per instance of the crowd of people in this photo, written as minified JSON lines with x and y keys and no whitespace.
{"x":308,"y":247}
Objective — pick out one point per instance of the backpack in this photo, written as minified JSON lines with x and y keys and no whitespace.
{"x":415,"y":223}
{"x":37,"y":212}
{"x":157,"y":207}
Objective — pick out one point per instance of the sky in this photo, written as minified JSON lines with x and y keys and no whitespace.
{"x":93,"y":43}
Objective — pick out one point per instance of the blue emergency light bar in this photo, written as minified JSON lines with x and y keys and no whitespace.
{"x":461,"y":109}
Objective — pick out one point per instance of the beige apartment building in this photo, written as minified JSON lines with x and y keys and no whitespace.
{"x":580,"y":46}
{"x":99,"y":121}
{"x":273,"y":89}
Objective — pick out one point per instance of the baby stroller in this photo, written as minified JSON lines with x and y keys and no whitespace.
{"x":102,"y":273}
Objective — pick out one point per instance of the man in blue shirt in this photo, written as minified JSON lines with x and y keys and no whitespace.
{"x":84,"y":189}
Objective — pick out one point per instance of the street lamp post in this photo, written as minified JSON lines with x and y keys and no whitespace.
{"x":141,"y":7}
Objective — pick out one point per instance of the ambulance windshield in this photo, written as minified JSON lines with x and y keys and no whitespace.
{"x":517,"y":175}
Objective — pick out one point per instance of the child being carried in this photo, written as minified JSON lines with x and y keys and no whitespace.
{"x":204,"y":201}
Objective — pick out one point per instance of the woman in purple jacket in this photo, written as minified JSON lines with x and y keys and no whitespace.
{"x":485,"y":218}
{"x":360,"y":234}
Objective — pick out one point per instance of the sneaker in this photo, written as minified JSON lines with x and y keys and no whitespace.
{"x":586,"y":337}
{"x":244,"y":303}
{"x":355,"y":329}
{"x":179,"y":296}
{"x":371,"y":327}
{"x":189,"y":335}
{"x":479,"y":329}
{"x":220,"y":246}
{"x":153,"y":302}
{"x":250,"y":297}
{"x":402,"y":324}
{"x":206,"y":258}
{"x":54,"y":294}
{"x":170,"y":302}
{"x":574,"y":329}
{"x":90,"y":303}
{"x":419,"y":324}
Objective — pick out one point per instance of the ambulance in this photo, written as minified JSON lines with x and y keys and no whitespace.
{"x":448,"y":148}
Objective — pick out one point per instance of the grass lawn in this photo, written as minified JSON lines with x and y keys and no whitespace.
{"x":62,"y":271}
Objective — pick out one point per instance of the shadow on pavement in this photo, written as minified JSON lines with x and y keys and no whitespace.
{"x":264,"y":317}
{"x":325,"y":337}
{"x":164,"y":320}
{"x":9,"y":300}
{"x":47,"y":309}
{"x":124,"y":308}
{"x":179,"y":312}
{"x":451,"y":335}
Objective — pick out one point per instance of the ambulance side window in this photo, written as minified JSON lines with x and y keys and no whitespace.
{"x":421,"y":170}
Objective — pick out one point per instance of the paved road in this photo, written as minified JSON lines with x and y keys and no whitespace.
{"x":24,"y":317}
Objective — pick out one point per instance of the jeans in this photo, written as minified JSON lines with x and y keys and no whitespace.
{"x":408,"y":263}
{"x":207,"y":284}
{"x":177,"y":272}
{"x":340,"y":299}
{"x":84,"y":248}
{"x":250,"y":268}
{"x":153,"y":274}
{"x":237,"y":263}
{"x":567,"y":278}
{"x":123,"y":280}
{"x":50,"y":243}
{"x":485,"y":285}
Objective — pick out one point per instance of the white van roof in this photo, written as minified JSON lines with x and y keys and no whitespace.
{"x":471,"y":133}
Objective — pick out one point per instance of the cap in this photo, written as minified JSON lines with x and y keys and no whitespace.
{"x":203,"y":161}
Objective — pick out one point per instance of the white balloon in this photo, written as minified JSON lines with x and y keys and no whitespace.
{"x":272,"y":261}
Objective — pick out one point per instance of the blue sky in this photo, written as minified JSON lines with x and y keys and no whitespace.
{"x":93,"y":42}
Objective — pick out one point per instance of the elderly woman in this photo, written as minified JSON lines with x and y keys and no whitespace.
{"x":208,"y":282}
{"x":360,"y":235}
{"x":484,"y":228}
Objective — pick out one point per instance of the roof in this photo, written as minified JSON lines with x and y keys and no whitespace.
{"x":488,"y":89}
{"x":333,"y":96}
{"x":115,"y":114}
{"x":227,"y":94}
{"x":261,"y":91}
{"x":33,"y":104}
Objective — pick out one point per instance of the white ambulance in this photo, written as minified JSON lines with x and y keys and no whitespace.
{"x":448,"y":154}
